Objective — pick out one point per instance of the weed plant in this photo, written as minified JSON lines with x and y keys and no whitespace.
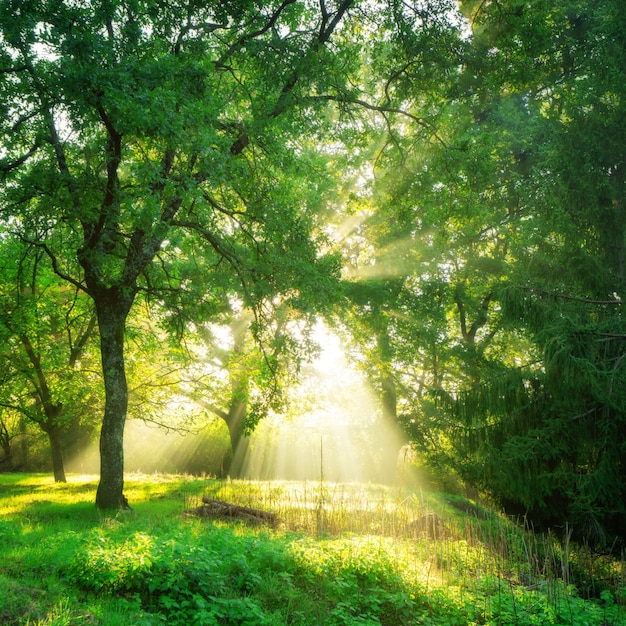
{"x":342,"y":555}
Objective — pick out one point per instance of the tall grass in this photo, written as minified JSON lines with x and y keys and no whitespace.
{"x":342,"y":554}
{"x":437,"y":525}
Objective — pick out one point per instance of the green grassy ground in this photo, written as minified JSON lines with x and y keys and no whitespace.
{"x":341,"y":555}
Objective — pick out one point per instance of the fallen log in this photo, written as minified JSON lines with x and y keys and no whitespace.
{"x":219,"y":509}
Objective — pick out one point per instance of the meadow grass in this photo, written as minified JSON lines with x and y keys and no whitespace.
{"x":341,"y":554}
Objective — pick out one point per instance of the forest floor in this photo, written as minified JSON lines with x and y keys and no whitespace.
{"x":326,"y":554}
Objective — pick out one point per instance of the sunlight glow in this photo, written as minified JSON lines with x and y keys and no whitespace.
{"x":335,"y":431}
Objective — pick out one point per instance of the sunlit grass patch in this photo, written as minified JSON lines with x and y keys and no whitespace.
{"x":38,"y":496}
{"x":321,"y":507}
{"x":29,"y":495}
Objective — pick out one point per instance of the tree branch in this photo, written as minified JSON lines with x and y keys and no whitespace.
{"x":325,"y":31}
{"x":211,"y":407}
{"x":6,"y":166}
{"x":216,"y":243}
{"x":55,"y":264}
{"x":380,"y":108}
{"x":237,"y":45}
{"x":77,"y":349}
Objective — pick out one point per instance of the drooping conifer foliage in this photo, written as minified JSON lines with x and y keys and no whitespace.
{"x":557,"y":451}
{"x":520,"y":227}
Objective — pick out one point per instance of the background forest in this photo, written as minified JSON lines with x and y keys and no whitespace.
{"x":187,"y":189}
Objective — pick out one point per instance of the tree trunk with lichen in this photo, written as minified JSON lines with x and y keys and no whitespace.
{"x":112,"y":313}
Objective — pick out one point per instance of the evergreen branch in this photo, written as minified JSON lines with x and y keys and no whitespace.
{"x":563,"y":296}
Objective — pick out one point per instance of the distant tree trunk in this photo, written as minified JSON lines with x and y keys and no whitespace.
{"x":392,"y":441}
{"x":23,"y":442}
{"x":5,"y":444}
{"x":238,"y":409}
{"x":52,"y":411}
{"x":56,"y":450}
{"x":238,"y":440}
{"x":112,"y":313}
{"x":389,"y":398}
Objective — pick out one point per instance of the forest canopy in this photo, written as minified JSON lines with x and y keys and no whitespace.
{"x":442,"y":182}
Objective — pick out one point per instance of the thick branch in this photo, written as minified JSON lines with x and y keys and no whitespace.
{"x":216,"y":243}
{"x":54,"y":138}
{"x":77,"y":349}
{"x":114,"y":158}
{"x":211,"y":407}
{"x":6,"y":166}
{"x":41,"y":386}
{"x":325,"y":31}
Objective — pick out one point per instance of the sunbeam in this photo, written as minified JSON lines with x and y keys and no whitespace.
{"x":334,"y":431}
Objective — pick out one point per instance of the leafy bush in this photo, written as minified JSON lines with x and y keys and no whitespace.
{"x":219,"y":576}
{"x":185,"y":577}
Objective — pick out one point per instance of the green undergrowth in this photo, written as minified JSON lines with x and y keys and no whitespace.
{"x":341,"y":555}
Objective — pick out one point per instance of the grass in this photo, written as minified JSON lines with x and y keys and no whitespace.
{"x":342,"y":555}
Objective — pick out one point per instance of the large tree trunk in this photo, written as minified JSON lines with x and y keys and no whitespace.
{"x":112,"y":322}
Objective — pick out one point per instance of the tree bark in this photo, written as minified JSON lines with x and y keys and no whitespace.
{"x":112,"y":313}
{"x":5,"y":443}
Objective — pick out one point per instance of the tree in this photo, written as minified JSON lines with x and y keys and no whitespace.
{"x":540,"y":102}
{"x":235,"y":379}
{"x":132,"y":129}
{"x":46,"y":328}
{"x":6,"y":442}
{"x":384,"y":260}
